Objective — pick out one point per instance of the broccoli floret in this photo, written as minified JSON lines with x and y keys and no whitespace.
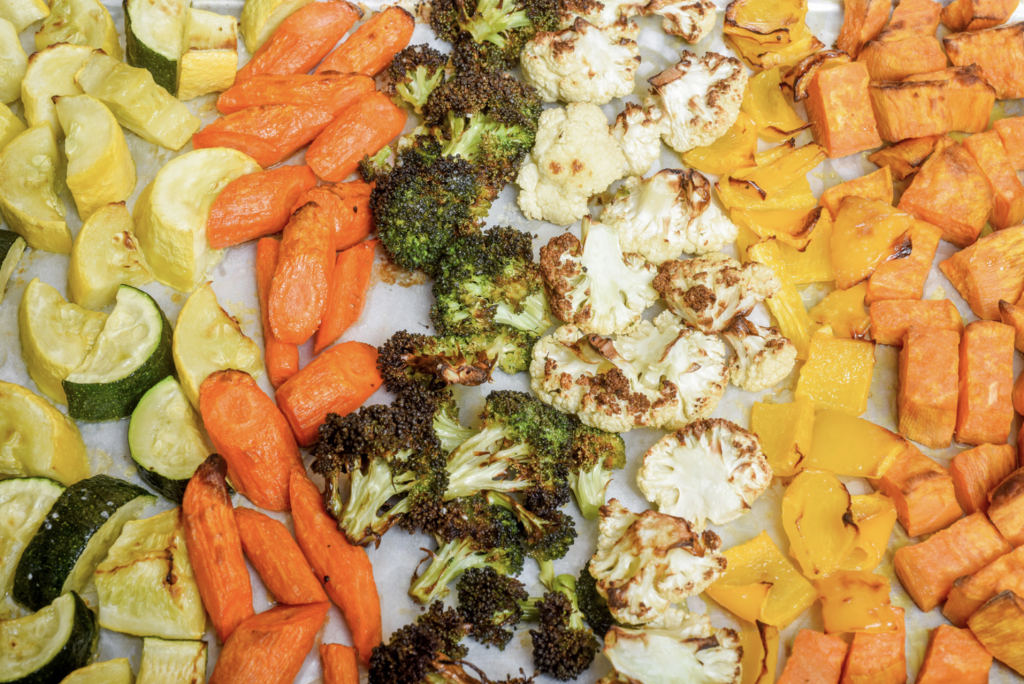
{"x":595,"y":453}
{"x":418,"y":650}
{"x":492,"y":34}
{"x":448,"y":624}
{"x":414,"y":73}
{"x":501,"y":97}
{"x":490,"y":603}
{"x":547,"y":536}
{"x":563,"y":646}
{"x":377,"y":166}
{"x":593,"y":606}
{"x":450,"y":432}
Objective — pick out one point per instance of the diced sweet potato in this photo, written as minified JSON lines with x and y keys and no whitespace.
{"x":998,"y":51}
{"x":926,"y":401}
{"x":1013,"y":316}
{"x":968,"y":97}
{"x":879,"y":658}
{"x":1006,"y":507}
{"x":922,"y":492}
{"x":1011,"y":131}
{"x":863,"y":20}
{"x":971,"y":592}
{"x":865,"y":234}
{"x":816,"y":658}
{"x":954,"y":656}
{"x":909,"y":109}
{"x":904,"y":278}
{"x":974,"y":15}
{"x":950,"y":192}
{"x":913,"y":18}
{"x":985,"y":409}
{"x":998,"y":625}
{"x":875,"y":186}
{"x":990,"y":270}
{"x":1007,"y":190}
{"x":839,"y":109}
{"x":837,"y":374}
{"x":1018,"y":393}
{"x":977,"y":471}
{"x":891,"y":319}
{"x":905,"y":158}
{"x":894,"y":60}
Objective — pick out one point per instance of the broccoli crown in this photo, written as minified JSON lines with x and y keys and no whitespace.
{"x":546,"y":537}
{"x":524,"y":418}
{"x":489,"y":603}
{"x":449,"y":625}
{"x":592,"y":447}
{"x":563,"y":646}
{"x":503,"y":98}
{"x":593,"y":606}
{"x":414,"y":73}
{"x":492,"y":34}
{"x":420,"y":648}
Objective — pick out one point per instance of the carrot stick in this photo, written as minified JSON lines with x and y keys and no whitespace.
{"x":339,"y":664}
{"x":1006,"y":507}
{"x":364,"y":128}
{"x":215,"y":549}
{"x":256,"y":204}
{"x":337,"y":381}
{"x":347,"y":208}
{"x":954,"y":656}
{"x":344,"y":569}
{"x":269,"y":133}
{"x":977,"y":471}
{"x":302,"y":40}
{"x":878,"y":658}
{"x":282,"y":360}
{"x":971,"y":592}
{"x":985,"y":409}
{"x":349,"y":283}
{"x":372,"y":46}
{"x":816,"y":659}
{"x":922,"y":492}
{"x":270,"y":648}
{"x":329,"y":90}
{"x":278,"y":559}
{"x":302,"y":280}
{"x":250,"y":433}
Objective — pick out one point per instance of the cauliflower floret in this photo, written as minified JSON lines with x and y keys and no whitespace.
{"x":710,"y":291}
{"x":610,"y":15}
{"x":699,"y":97}
{"x":592,"y":284}
{"x":645,"y":563}
{"x":693,"y":652}
{"x":690,"y":19}
{"x":580,"y":64}
{"x":668,"y":214}
{"x":709,"y":470}
{"x":763,"y":356}
{"x":573,"y":158}
{"x":639,"y":135}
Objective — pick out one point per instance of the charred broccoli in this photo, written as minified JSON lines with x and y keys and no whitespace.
{"x":491,"y":34}
{"x":563,"y":646}
{"x":489,"y":603}
{"x":595,"y":453}
{"x":593,"y":606}
{"x":548,"y":534}
{"x":414,"y":73}
{"x":418,"y":650}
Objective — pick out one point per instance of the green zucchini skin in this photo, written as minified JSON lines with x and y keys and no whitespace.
{"x":12,"y":246}
{"x":77,"y":650}
{"x":173,"y":490}
{"x":138,"y":54}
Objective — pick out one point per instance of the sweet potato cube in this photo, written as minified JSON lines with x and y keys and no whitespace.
{"x":844,"y":312}
{"x":837,"y":374}
{"x":989,"y":271}
{"x":951,"y":192}
{"x":968,"y":97}
{"x":816,"y":658}
{"x":1006,"y":507}
{"x":876,"y":185}
{"x":894,"y":60}
{"x":971,"y":592}
{"x":891,"y":319}
{"x":864,"y":235}
{"x":921,"y":490}
{"x":878,"y":658}
{"x":909,"y":109}
{"x":905,"y":158}
{"x":785,"y":432}
{"x":913,"y":18}
{"x":839,"y":109}
{"x":904,"y":278}
{"x":998,"y":51}
{"x":974,"y":15}
{"x":852,"y":447}
{"x":1007,"y":190}
{"x":863,"y":20}
{"x":928,"y":569}
{"x":954,"y":656}
{"x":977,"y":471}
{"x":1011,"y":131}
{"x":926,"y":401}
{"x":985,"y":408}
{"x":856,"y":601}
{"x":1013,"y":316}
{"x":998,"y":625}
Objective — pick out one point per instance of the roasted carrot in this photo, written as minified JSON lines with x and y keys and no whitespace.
{"x":269,"y":133}
{"x":346,"y":207}
{"x":270,"y":648}
{"x":215,"y":548}
{"x":339,"y":664}
{"x":927,"y":398}
{"x":1006,"y":507}
{"x":878,"y":658}
{"x":977,"y":471}
{"x":954,"y":656}
{"x":922,"y":492}
{"x":344,"y":569}
{"x":371,"y":47}
{"x":298,"y":293}
{"x":369,"y":124}
{"x":251,"y":434}
{"x":349,"y":283}
{"x":1011,"y":132}
{"x":278,"y":559}
{"x":927,"y":570}
{"x":302,"y":40}
{"x":904,"y":278}
{"x":256,"y":204}
{"x":971,"y":592}
{"x":985,"y":408}
{"x":281,"y":359}
{"x":337,"y":381}
{"x":816,"y":659}
{"x":891,"y":319}
{"x":329,"y":90}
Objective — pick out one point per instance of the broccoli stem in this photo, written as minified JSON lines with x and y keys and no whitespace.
{"x":475,"y":465}
{"x":589,"y":487}
{"x":450,"y":431}
{"x":368,"y":493}
{"x":419,"y":88}
{"x":449,"y":562}
{"x":492,"y":19}
{"x":533,"y":318}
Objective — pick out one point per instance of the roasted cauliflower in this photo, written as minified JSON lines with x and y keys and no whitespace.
{"x":709,"y":470}
{"x":692,"y":20}
{"x":668,"y":214}
{"x":592,"y":284}
{"x":573,"y":158}
{"x":699,"y":98}
{"x":580,"y":64}
{"x":639,"y":136}
{"x":613,"y":15}
{"x":763,"y":356}
{"x":708,"y":292}
{"x":646,"y":563}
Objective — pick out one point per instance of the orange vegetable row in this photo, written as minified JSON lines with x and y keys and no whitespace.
{"x":817,"y":658}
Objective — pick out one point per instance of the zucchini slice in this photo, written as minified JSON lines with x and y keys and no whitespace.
{"x":40,"y":441}
{"x":131,"y":354}
{"x":153,"y":31}
{"x":260,"y":18}
{"x":146,"y":585}
{"x":208,"y":339}
{"x":51,"y":72}
{"x":13,"y":62}
{"x":50,"y":644}
{"x":210,"y":54}
{"x":21,"y":13}
{"x":80,"y":22}
{"x":100,"y":166}
{"x":171,"y":214}
{"x":29,"y":180}
{"x":172,"y":662}
{"x":10,"y":125}
{"x":137,"y":102}
{"x":56,"y":336}
{"x":12,"y":246}
{"x":117,"y":671}
{"x":76,"y":534}
{"x":24,"y":502}
{"x":167,"y":439}
{"x":104,"y":257}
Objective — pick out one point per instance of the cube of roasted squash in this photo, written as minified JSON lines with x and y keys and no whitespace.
{"x":837,"y":374}
{"x":977,"y":471}
{"x":878,"y":658}
{"x":1011,"y":132}
{"x":875,"y":516}
{"x":894,"y":60}
{"x":865,"y":234}
{"x":985,"y":409}
{"x":1007,"y":190}
{"x":974,"y":15}
{"x":954,"y":656}
{"x":909,"y":109}
{"x":852,"y":447}
{"x":876,"y":185}
{"x":921,"y":490}
{"x":913,"y":18}
{"x":1013,"y":316}
{"x":904,"y":278}
{"x":998,"y":51}
{"x":968,"y":97}
{"x":892,"y":318}
{"x":1006,"y":507}
{"x":951,"y":192}
{"x":990,"y":270}
{"x":785,"y":432}
{"x":840,"y":110}
{"x":863,"y":20}
{"x":971,"y":592}
{"x":927,"y":397}
{"x":856,"y":601}
{"x":905,"y":158}
{"x":998,"y":625}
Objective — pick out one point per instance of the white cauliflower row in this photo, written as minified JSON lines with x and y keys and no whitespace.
{"x":690,"y":19}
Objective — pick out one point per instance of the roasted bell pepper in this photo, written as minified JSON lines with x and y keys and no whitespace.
{"x":851,"y":447}
{"x":876,"y":185}
{"x":856,"y":601}
{"x":735,"y":149}
{"x":875,"y":516}
{"x":785,"y":432}
{"x":764,"y":102}
{"x":760,"y":643}
{"x":837,"y":374}
{"x":817,"y":519}
{"x":867,"y":233}
{"x":844,"y":312}
{"x":905,"y":158}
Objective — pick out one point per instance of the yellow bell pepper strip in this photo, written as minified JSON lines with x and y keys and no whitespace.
{"x":817,"y":519}
{"x":844,"y":312}
{"x":764,"y":102}
{"x":875,"y":516}
{"x":793,"y":227}
{"x":760,"y":659}
{"x":837,"y":374}
{"x":786,"y":305}
{"x":785,"y":432}
{"x":734,"y":150}
{"x":856,"y":601}
{"x":852,"y":447}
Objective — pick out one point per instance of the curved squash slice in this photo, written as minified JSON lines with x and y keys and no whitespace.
{"x":30,"y":168}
